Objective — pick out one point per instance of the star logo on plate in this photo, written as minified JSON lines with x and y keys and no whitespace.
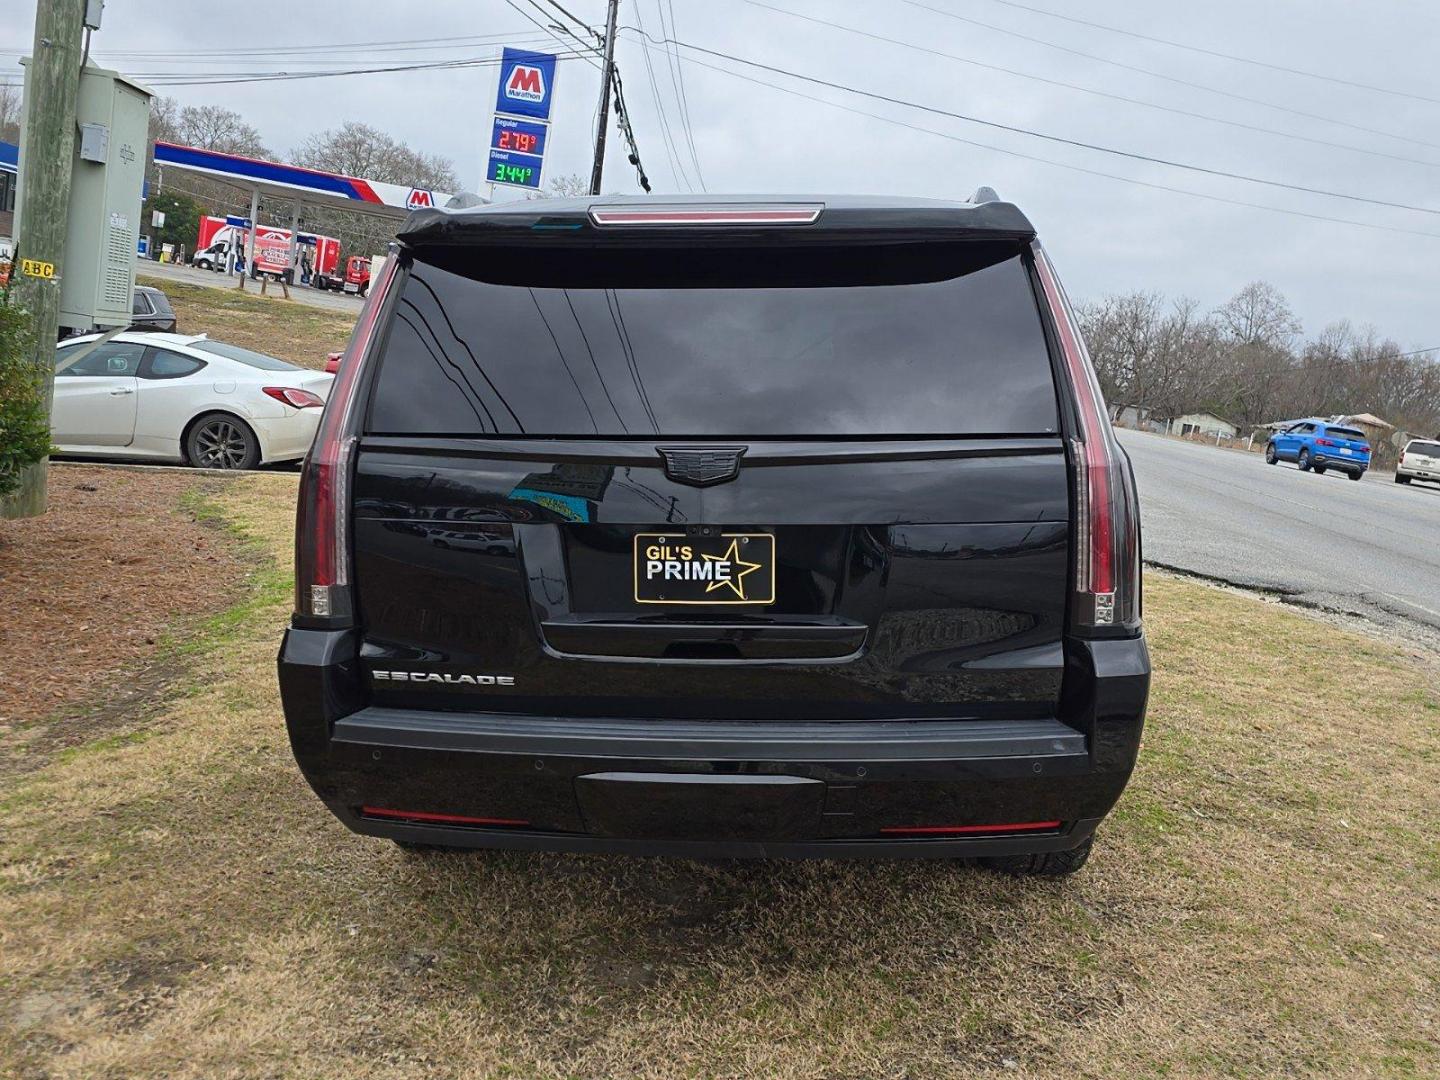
{"x":736,"y":581}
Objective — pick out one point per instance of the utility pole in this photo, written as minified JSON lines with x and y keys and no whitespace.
{"x":52,"y":88}
{"x":607,"y":76}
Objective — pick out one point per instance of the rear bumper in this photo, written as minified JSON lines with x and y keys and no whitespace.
{"x":1349,"y":464}
{"x":287,"y":438}
{"x":697,"y":788}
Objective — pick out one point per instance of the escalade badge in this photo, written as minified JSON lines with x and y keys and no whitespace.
{"x":701,"y":466}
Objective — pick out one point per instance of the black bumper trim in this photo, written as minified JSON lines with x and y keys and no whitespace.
{"x":883,"y":740}
{"x":1071,"y":836}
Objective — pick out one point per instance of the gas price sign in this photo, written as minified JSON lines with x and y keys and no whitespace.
{"x":519,"y":170}
{"x":518,"y":136}
{"x":517,"y":150}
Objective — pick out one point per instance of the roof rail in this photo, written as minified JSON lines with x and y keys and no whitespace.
{"x":983,"y":195}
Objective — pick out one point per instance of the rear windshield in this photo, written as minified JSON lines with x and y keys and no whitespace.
{"x":1346,"y":433}
{"x":1429,"y":449}
{"x":920,"y":339}
{"x":245,"y":356}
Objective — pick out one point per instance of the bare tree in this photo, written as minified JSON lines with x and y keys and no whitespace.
{"x":164,"y":119}
{"x":1247,"y":362}
{"x":1258,"y":315}
{"x":213,"y":127}
{"x":10,"y":114}
{"x":357,"y":149}
{"x":569,"y":186}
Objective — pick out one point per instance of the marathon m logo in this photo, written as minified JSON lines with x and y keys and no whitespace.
{"x":419,"y":198}
{"x":526,"y":84}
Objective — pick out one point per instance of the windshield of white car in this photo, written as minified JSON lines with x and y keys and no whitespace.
{"x":245,"y":356}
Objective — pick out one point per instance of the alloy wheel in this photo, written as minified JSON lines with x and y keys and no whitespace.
{"x":220,"y":444}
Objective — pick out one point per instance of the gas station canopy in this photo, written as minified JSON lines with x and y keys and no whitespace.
{"x":311,"y":186}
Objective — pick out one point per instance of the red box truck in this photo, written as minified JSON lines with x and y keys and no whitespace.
{"x":316,"y":255}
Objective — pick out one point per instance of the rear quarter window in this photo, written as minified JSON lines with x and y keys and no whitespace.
{"x":921,"y":339}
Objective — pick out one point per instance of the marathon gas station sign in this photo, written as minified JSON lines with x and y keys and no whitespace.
{"x":522,"y":118}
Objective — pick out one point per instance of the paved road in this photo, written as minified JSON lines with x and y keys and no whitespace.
{"x":1371,"y":547}
{"x":331,"y":301}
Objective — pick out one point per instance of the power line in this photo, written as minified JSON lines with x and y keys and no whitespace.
{"x":405,"y":45}
{"x":576,"y":19}
{"x":565,"y":28}
{"x":531,"y":19}
{"x":1049,"y":161}
{"x":1221,"y":55}
{"x":667,"y":138}
{"x":677,"y":83}
{"x":181,"y":79}
{"x":1170,"y":78}
{"x":1089,"y":90}
{"x":1060,"y":139}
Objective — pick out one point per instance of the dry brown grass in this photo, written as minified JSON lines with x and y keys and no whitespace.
{"x":293,"y":331}
{"x":1266,"y":901}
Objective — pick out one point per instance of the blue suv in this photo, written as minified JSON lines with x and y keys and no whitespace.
{"x":1320,"y":445}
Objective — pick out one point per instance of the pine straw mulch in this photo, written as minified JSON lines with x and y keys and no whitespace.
{"x":92,"y":595}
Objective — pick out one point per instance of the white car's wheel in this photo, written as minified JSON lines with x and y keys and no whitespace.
{"x":221,"y":441}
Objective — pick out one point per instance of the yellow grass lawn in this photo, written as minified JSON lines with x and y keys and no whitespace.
{"x":1265,"y":902}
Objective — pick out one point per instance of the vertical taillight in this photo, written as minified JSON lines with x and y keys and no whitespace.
{"x":1107,"y":542}
{"x":322,"y":522}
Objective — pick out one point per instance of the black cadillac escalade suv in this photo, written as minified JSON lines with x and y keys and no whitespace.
{"x":781,"y":527}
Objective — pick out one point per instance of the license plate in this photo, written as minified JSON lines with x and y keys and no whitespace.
{"x":1346,"y":451}
{"x":724,"y":568}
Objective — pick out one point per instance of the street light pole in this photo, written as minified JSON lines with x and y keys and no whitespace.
{"x":52,"y":91}
{"x":607,"y":75}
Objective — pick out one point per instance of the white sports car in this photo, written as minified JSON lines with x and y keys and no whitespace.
{"x":182,"y":397}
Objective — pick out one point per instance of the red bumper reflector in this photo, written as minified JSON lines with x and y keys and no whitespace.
{"x":439,"y":819}
{"x":970,"y":830}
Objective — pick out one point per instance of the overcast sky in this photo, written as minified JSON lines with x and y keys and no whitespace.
{"x":1106,"y":235}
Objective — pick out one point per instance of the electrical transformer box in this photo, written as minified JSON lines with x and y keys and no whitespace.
{"x":97,"y":278}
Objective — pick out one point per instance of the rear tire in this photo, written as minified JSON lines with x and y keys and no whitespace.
{"x":221,"y":441}
{"x":1303,"y":460}
{"x":1356,"y":475}
{"x":1041,"y":864}
{"x":1270,"y":458}
{"x":1401,"y":479}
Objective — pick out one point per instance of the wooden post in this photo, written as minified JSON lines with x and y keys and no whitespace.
{"x":52,"y":89}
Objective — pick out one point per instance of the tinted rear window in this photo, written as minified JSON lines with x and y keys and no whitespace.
{"x":924,"y":339}
{"x":1346,"y":433}
{"x":245,"y":356}
{"x":1429,"y":449}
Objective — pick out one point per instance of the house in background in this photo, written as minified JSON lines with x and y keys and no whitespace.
{"x":1139,"y":417}
{"x":1143,"y":418}
{"x":1376,"y":430}
{"x":1202,"y":423}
